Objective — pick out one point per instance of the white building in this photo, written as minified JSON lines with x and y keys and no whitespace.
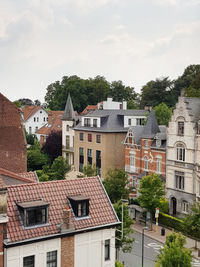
{"x":34,"y":117}
{"x":183,"y":156}
{"x":66,"y":223}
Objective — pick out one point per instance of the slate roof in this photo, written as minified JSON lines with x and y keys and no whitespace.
{"x":193,"y":106}
{"x":54,"y":123}
{"x":10,"y":178}
{"x":111,"y":120}
{"x":151,"y":127}
{"x":55,"y":193}
{"x":69,"y":110}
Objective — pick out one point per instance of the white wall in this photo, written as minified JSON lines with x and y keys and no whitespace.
{"x":14,"y":256}
{"x":133,"y":120}
{"x":41,"y":119}
{"x":89,"y":249}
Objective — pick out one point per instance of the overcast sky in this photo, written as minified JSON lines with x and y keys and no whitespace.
{"x":130,"y":40}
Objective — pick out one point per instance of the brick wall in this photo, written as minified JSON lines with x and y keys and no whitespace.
{"x":67,"y":251}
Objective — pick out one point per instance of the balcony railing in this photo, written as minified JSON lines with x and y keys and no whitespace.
{"x":131,"y":169}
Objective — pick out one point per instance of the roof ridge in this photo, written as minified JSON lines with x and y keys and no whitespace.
{"x":14,"y":175}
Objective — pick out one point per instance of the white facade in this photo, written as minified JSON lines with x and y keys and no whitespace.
{"x":133,"y":120}
{"x":68,"y":141}
{"x":14,"y":255}
{"x":36,"y":121}
{"x":90,"y":249}
{"x":183,"y":151}
{"x":110,"y":104}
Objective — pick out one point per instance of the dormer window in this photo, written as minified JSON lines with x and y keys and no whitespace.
{"x":80,"y":205}
{"x":86,"y":122}
{"x":33,"y":213}
{"x":94,"y":122}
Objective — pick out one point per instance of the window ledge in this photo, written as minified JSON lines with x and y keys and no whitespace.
{"x":35,"y":226}
{"x":82,"y":218}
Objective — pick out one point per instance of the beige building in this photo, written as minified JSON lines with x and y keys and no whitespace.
{"x":98,"y":138}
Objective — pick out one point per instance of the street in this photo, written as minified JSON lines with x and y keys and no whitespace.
{"x":151,"y":250}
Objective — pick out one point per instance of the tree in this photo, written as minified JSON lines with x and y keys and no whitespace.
{"x":90,"y":170}
{"x":126,"y":242}
{"x":151,"y":192}
{"x":192,"y":221}
{"x":121,"y":92}
{"x":30,"y":138}
{"x":174,"y":253}
{"x":59,"y":167}
{"x":25,"y":101}
{"x":115,"y":183}
{"x":36,"y":159}
{"x":37,"y":102}
{"x":163,"y":114}
{"x":156,"y":92}
{"x":53,"y":145}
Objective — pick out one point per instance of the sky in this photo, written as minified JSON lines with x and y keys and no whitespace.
{"x":130,"y":40}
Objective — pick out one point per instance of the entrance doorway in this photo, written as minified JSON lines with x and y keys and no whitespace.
{"x":174,"y":205}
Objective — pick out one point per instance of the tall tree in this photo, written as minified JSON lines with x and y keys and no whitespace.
{"x":174,"y":254}
{"x":163,"y":114}
{"x":53,"y":145}
{"x":151,"y":192}
{"x":115,"y":183}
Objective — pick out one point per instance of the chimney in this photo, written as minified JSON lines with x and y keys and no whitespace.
{"x":124,"y":105}
{"x":3,"y":222}
{"x":67,"y":219}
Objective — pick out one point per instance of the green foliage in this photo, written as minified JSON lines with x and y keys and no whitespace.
{"x":163,"y":114}
{"x":118,"y":264}
{"x":115,"y":183}
{"x":174,"y":254}
{"x":151,"y":192}
{"x":192,"y":221}
{"x":30,"y":138}
{"x":59,"y":167}
{"x":164,"y":205}
{"x":90,"y":170}
{"x":36,"y":159}
{"x":126,"y":242}
{"x":17,"y":103}
{"x":171,"y":222}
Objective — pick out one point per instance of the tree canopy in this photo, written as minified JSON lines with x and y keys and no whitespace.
{"x":163,"y":114}
{"x":115,"y":183}
{"x":53,"y":145}
{"x":151,"y":192}
{"x":174,"y":253}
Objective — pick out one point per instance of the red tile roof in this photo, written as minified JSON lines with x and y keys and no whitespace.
{"x":11,"y":178}
{"x":54,"y":123}
{"x":28,"y":111}
{"x":55,"y":193}
{"x":89,"y":108}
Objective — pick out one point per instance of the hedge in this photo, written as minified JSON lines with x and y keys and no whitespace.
{"x":171,"y":222}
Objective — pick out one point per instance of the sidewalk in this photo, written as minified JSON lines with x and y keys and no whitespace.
{"x":190,"y":243}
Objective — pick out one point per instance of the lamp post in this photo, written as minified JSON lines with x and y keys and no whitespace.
{"x":144,"y":228}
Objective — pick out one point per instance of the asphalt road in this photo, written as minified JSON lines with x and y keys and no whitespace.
{"x":151,"y":250}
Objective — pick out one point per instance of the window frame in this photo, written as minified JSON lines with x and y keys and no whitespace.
{"x":107,"y":250}
{"x":35,"y":210}
{"x":30,"y":264}
{"x":181,"y":128}
{"x":89,"y":137}
{"x":95,"y":123}
{"x":146,"y":163}
{"x":87,"y":122}
{"x":54,"y":260}
{"x":180,"y":181}
{"x":185,"y":206}
{"x":81,"y":136}
{"x":158,"y":165}
{"x":98,"y":138}
{"x":180,"y":152}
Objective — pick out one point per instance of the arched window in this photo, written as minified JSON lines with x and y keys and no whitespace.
{"x":146,"y":164}
{"x":180,"y":152}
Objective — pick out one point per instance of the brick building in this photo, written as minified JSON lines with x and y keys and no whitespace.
{"x":66,"y":223}
{"x":145,"y":152}
{"x":12,"y":138}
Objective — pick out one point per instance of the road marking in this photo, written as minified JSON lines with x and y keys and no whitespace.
{"x":195,"y":263}
{"x":155,"y":246}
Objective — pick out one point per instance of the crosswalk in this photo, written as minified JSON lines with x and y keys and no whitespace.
{"x":195,"y":263}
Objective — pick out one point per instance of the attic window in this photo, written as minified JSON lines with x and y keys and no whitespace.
{"x":80,"y":205}
{"x":33,"y":212}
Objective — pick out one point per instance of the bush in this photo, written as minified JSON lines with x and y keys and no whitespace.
{"x":118,"y":264}
{"x":171,"y":222}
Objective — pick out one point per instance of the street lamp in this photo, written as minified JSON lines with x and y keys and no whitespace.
{"x":144,"y":228}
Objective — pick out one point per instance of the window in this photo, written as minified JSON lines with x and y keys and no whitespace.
{"x":139,"y":121}
{"x":40,"y":111}
{"x":67,"y":141}
{"x":30,"y":130}
{"x":37,"y":119}
{"x":81,"y":158}
{"x":98,"y":138}
{"x":89,"y":156}
{"x":158,"y":142}
{"x":146,"y":164}
{"x":185,"y":206}
{"x":132,"y":160}
{"x":87,"y":122}
{"x":82,"y":209}
{"x":129,"y":122}
{"x":29,"y":261}
{"x":35,"y":216}
{"x":52,"y":259}
{"x":98,"y":162}
{"x":107,"y":249}
{"x":44,"y":119}
{"x":36,"y":128}
{"x":180,"y":150}
{"x":146,"y":143}
{"x":180,"y":128}
{"x":158,"y":164}
{"x":89,"y":137}
{"x":67,"y":128}
{"x":34,"y":118}
{"x":81,"y":136}
{"x":95,"y":123}
{"x":179,"y":180}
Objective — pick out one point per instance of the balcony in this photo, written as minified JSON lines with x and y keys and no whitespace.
{"x":68,"y":149}
{"x":131,"y":169}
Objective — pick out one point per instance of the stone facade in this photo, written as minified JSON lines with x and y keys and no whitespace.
{"x":183,"y":151}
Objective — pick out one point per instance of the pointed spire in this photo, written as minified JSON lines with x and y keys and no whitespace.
{"x":151,"y":127}
{"x":69,"y":114}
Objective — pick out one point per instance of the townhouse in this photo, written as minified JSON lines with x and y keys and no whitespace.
{"x":66,"y":223}
{"x":145,"y":152}
{"x":183,"y":156}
